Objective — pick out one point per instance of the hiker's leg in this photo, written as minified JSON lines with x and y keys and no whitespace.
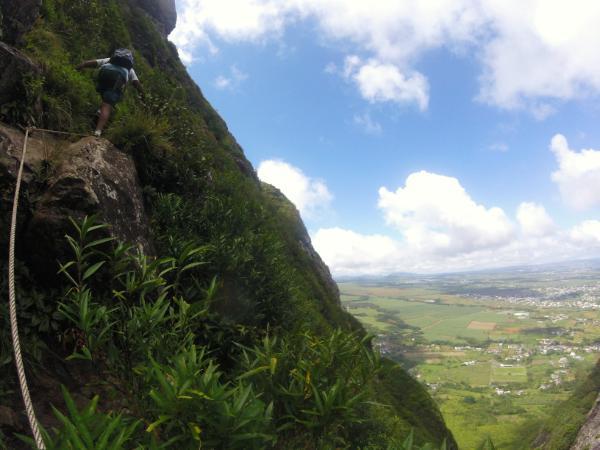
{"x":105,"y":111}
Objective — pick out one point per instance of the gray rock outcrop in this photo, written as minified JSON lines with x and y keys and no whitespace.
{"x":63,"y":180}
{"x":14,"y":66}
{"x":17,"y":16}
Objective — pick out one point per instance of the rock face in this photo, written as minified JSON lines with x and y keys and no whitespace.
{"x":163,"y":11}
{"x":63,"y":180}
{"x":17,"y":16}
{"x":14,"y":65}
{"x":11,"y":142}
{"x":588,"y":437}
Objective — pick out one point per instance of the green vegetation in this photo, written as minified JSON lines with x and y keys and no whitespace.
{"x":232,"y":334}
{"x":560,"y":429}
{"x":497,"y":370}
{"x":123,"y":315}
{"x":505,"y":375}
{"x":442,"y":318}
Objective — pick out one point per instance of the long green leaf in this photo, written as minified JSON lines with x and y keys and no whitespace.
{"x":92,"y":270}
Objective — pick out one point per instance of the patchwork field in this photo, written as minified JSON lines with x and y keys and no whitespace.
{"x":488,"y":326}
{"x":495,"y":366}
{"x":450,"y":322}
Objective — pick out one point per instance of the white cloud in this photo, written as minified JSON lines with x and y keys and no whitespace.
{"x":438,"y":227}
{"x":222,"y":82}
{"x":232,"y":81}
{"x":529,"y":50}
{"x":231,"y":20}
{"x":587,"y":232}
{"x":310,"y":196}
{"x":540,"y":49}
{"x":534,"y":220}
{"x":578,"y":174}
{"x":369,"y":125}
{"x":379,"y":82}
{"x":186,"y":56}
{"x":435,"y":214}
{"x":348,"y":252}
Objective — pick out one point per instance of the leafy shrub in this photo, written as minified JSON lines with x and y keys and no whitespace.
{"x":146,"y":137}
{"x":192,"y":403}
{"x":37,"y":317}
{"x":317,"y":385}
{"x":310,"y":384}
{"x":140,"y":314}
{"x":88,"y":429}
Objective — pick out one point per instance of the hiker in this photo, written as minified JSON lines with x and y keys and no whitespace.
{"x":115,"y":72}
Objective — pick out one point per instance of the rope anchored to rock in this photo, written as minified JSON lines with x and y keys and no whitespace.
{"x":33,"y":423}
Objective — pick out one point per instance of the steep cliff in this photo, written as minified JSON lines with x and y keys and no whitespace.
{"x":574,"y":423}
{"x":219,"y":263}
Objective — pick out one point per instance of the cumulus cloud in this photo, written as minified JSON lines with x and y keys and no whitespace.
{"x":587,"y":232}
{"x":540,"y":49}
{"x":348,"y":252}
{"x":534,"y":220}
{"x":436,"y":227}
{"x":381,"y":82}
{"x":436,"y":214}
{"x":230,"y":20}
{"x":529,"y":50}
{"x":578,"y":174}
{"x":310,"y":196}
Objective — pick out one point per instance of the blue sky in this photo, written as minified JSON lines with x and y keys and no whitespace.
{"x":421,"y":136}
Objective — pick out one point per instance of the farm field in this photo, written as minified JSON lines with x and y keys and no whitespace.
{"x":453,"y":322}
{"x":495,"y":362}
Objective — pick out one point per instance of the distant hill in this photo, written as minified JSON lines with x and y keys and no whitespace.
{"x":586,"y":265}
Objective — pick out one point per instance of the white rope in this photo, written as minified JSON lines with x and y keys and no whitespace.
{"x":13,"y":309}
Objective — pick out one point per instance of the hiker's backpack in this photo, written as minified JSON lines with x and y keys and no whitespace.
{"x":112,"y":76}
{"x":122,"y":57}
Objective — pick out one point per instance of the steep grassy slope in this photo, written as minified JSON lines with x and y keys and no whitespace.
{"x":560,"y":432}
{"x":245,"y":268}
{"x":182,"y":147}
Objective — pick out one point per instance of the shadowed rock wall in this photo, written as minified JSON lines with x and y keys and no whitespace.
{"x":17,"y":17}
{"x":163,"y":11}
{"x":62,"y":180}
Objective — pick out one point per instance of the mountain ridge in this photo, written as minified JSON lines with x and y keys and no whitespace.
{"x":244,"y":262}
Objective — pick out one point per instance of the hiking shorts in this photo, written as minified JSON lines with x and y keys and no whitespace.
{"x":111,"y":96}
